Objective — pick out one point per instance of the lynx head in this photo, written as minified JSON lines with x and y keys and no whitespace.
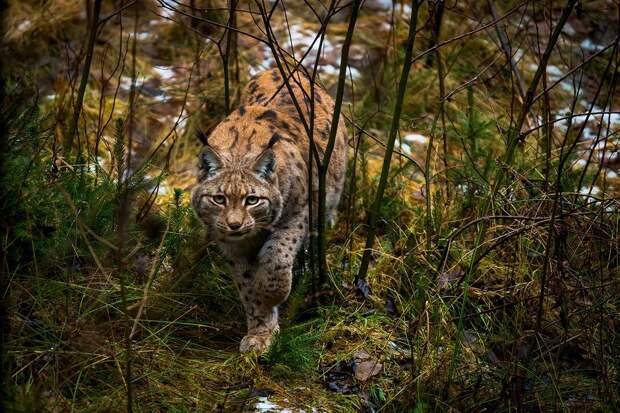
{"x":237,"y":196}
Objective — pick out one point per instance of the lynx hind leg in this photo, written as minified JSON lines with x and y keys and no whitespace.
{"x":333,"y":199}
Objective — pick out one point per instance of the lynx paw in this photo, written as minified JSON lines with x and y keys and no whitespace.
{"x":255,"y":343}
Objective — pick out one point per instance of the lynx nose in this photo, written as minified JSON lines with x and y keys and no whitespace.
{"x":234,"y":225}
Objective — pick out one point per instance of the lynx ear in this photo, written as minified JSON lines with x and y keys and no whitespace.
{"x":202,"y":137}
{"x":210,"y":162}
{"x":265,"y":164}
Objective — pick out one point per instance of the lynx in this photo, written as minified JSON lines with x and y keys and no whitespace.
{"x":252,"y":191}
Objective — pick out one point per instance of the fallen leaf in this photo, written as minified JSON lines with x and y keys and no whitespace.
{"x":365,"y":366}
{"x":447,"y":277}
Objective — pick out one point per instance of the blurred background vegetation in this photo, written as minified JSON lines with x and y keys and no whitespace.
{"x":493,"y":279}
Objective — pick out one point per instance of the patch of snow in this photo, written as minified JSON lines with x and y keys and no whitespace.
{"x":554,"y":72}
{"x":405,"y":147}
{"x":182,"y":123}
{"x":332,"y":70}
{"x":24,"y":26}
{"x":303,"y":41}
{"x":304,"y":38}
{"x":562,"y":125}
{"x":264,"y":405}
{"x":518,"y":55}
{"x":611,"y":174}
{"x":126,"y":83}
{"x":567,"y":86}
{"x":609,"y":118}
{"x":613,"y":156}
{"x":354,"y":73}
{"x":164,"y":72}
{"x":385,"y":27}
{"x":143,"y":35}
{"x":267,"y":62}
{"x":329,"y":70}
{"x":586,"y":190}
{"x":588,"y":134}
{"x":384,"y":4}
{"x":569,"y":29}
{"x":590,"y":46}
{"x":416,"y":138}
{"x":166,"y":10}
{"x":580,"y":164}
{"x":164,"y":189}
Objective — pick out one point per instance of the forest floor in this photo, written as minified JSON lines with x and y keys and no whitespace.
{"x":448,"y":317}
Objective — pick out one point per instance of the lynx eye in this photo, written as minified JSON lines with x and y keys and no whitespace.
{"x":251,"y":200}
{"x":219,"y":199}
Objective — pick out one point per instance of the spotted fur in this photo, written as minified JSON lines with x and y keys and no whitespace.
{"x":252,"y":191}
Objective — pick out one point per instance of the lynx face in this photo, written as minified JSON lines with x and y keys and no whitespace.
{"x":237,"y":199}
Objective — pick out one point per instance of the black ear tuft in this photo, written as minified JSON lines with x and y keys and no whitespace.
{"x":210,"y":162}
{"x":202,"y":137}
{"x":265,"y":164}
{"x":275,"y":138}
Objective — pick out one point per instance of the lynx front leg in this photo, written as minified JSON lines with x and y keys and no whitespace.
{"x":272,"y":283}
{"x":261,"y":320}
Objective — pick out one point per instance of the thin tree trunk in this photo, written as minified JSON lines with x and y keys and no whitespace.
{"x":385,"y":170}
{"x":92,"y":37}
{"x":232,"y":6}
{"x":342,"y":77}
{"x":436,"y":10}
{"x":125,"y":208}
{"x":507,"y":49}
